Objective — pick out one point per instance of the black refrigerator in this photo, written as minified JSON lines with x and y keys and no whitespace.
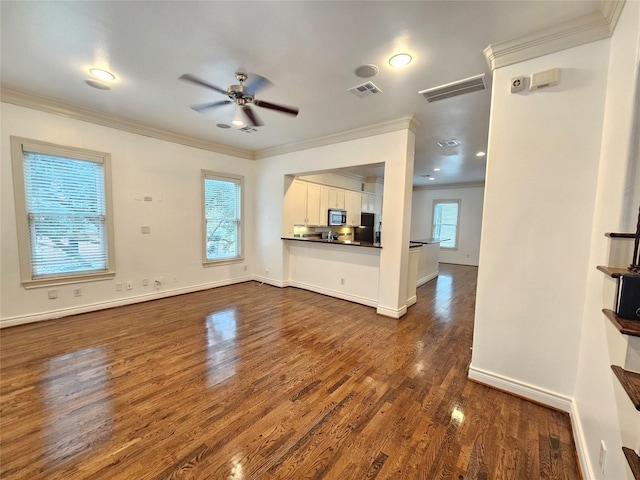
{"x":365,"y":232}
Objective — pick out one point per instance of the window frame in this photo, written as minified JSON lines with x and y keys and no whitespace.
{"x":18,"y":146}
{"x":433,"y":220}
{"x":224,"y":177}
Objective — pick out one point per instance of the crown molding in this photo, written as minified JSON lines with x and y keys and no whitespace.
{"x":48,"y":105}
{"x":409,"y":122}
{"x":22,"y":99}
{"x":584,"y":29}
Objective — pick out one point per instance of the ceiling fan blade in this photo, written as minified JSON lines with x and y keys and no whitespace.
{"x":280,"y":108}
{"x":193,"y":79}
{"x":206,"y":106}
{"x":251,"y":115}
{"x":255,"y":83}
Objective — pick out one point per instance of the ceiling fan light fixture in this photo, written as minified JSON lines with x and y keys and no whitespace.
{"x":102,"y":74}
{"x":237,"y":121}
{"x":400,"y":60}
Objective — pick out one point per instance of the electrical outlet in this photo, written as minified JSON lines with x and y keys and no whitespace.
{"x":53,"y":294}
{"x":129,"y":285}
{"x":77,"y":292}
{"x":266,"y":271}
{"x":118,"y":287}
{"x":175,"y":279}
{"x":342,"y":281}
{"x":145,"y":282}
{"x":602,"y":460}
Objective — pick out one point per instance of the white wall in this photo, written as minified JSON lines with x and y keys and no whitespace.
{"x":141,"y":166}
{"x":395,"y":149}
{"x":471,"y":198}
{"x":341,"y":271}
{"x":616,"y":209}
{"x":557,"y":168}
{"x":542,"y":172}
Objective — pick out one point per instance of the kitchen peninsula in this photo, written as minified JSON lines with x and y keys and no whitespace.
{"x":350,"y":270}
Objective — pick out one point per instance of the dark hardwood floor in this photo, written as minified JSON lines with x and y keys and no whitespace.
{"x":255,"y":382}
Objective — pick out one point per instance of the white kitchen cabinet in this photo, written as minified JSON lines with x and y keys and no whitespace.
{"x":295,"y":206}
{"x":353,"y":205}
{"x":302,"y":205}
{"x":313,"y":205}
{"x":336,"y":198}
{"x":324,"y":206}
{"x":368,"y":202}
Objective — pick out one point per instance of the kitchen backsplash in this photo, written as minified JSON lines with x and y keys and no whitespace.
{"x":344,"y":233}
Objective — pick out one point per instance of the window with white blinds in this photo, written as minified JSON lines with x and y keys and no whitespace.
{"x":222,"y":207}
{"x":62,"y":201}
{"x":446,"y":215}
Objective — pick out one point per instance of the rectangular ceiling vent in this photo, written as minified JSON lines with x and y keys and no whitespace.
{"x":449,"y":143}
{"x":453,"y":89}
{"x":365,"y":90}
{"x":248,"y":129}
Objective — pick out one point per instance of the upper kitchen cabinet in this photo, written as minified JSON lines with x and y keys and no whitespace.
{"x":368,"y":202}
{"x":302,"y":206}
{"x":314,"y":216}
{"x":353,"y":206}
{"x":336,"y":198}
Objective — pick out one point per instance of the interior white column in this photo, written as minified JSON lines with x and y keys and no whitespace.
{"x":396,"y":226}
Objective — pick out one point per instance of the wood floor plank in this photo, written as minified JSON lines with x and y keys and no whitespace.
{"x":251,"y":381}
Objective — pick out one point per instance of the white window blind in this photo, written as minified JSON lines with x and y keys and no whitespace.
{"x":445,"y":222}
{"x":63,"y":213}
{"x":66,"y":213}
{"x":222,"y":217}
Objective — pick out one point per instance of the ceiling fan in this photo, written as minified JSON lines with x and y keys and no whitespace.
{"x":242,"y":95}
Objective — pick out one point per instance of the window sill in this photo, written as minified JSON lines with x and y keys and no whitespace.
{"x":56,"y":281}
{"x":226,"y":261}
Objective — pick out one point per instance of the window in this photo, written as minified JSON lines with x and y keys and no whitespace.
{"x":222,"y":207}
{"x":64,"y":223}
{"x":446,"y":214}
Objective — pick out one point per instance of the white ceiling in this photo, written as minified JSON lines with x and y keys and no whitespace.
{"x":309,"y":50}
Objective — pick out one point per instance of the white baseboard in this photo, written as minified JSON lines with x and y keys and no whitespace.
{"x":270,"y":281}
{"x":581,"y":443}
{"x":521,"y":389}
{"x":426,"y":279}
{"x":391,"y":312}
{"x":412,"y":300}
{"x":92,"y":307}
{"x":370,"y":302}
{"x":544,"y":397}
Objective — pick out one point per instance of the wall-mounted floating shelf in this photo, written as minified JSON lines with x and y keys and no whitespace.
{"x":630,"y":381}
{"x":626,"y":327}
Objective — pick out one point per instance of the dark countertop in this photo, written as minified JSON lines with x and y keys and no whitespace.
{"x":337,"y":242}
{"x":428,"y":241}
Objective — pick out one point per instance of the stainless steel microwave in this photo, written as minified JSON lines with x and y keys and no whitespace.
{"x":337,"y":217}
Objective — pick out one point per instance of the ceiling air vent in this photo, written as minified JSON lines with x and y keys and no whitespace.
{"x":453,"y":89}
{"x":248,"y":129}
{"x":365,"y":90}
{"x":449,"y":143}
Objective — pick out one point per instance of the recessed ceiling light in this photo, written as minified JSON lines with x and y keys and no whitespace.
{"x":400,"y":60}
{"x":102,"y":74}
{"x":480,"y":154}
{"x":237,"y":122}
{"x":431,"y":178}
{"x":436,"y":169}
